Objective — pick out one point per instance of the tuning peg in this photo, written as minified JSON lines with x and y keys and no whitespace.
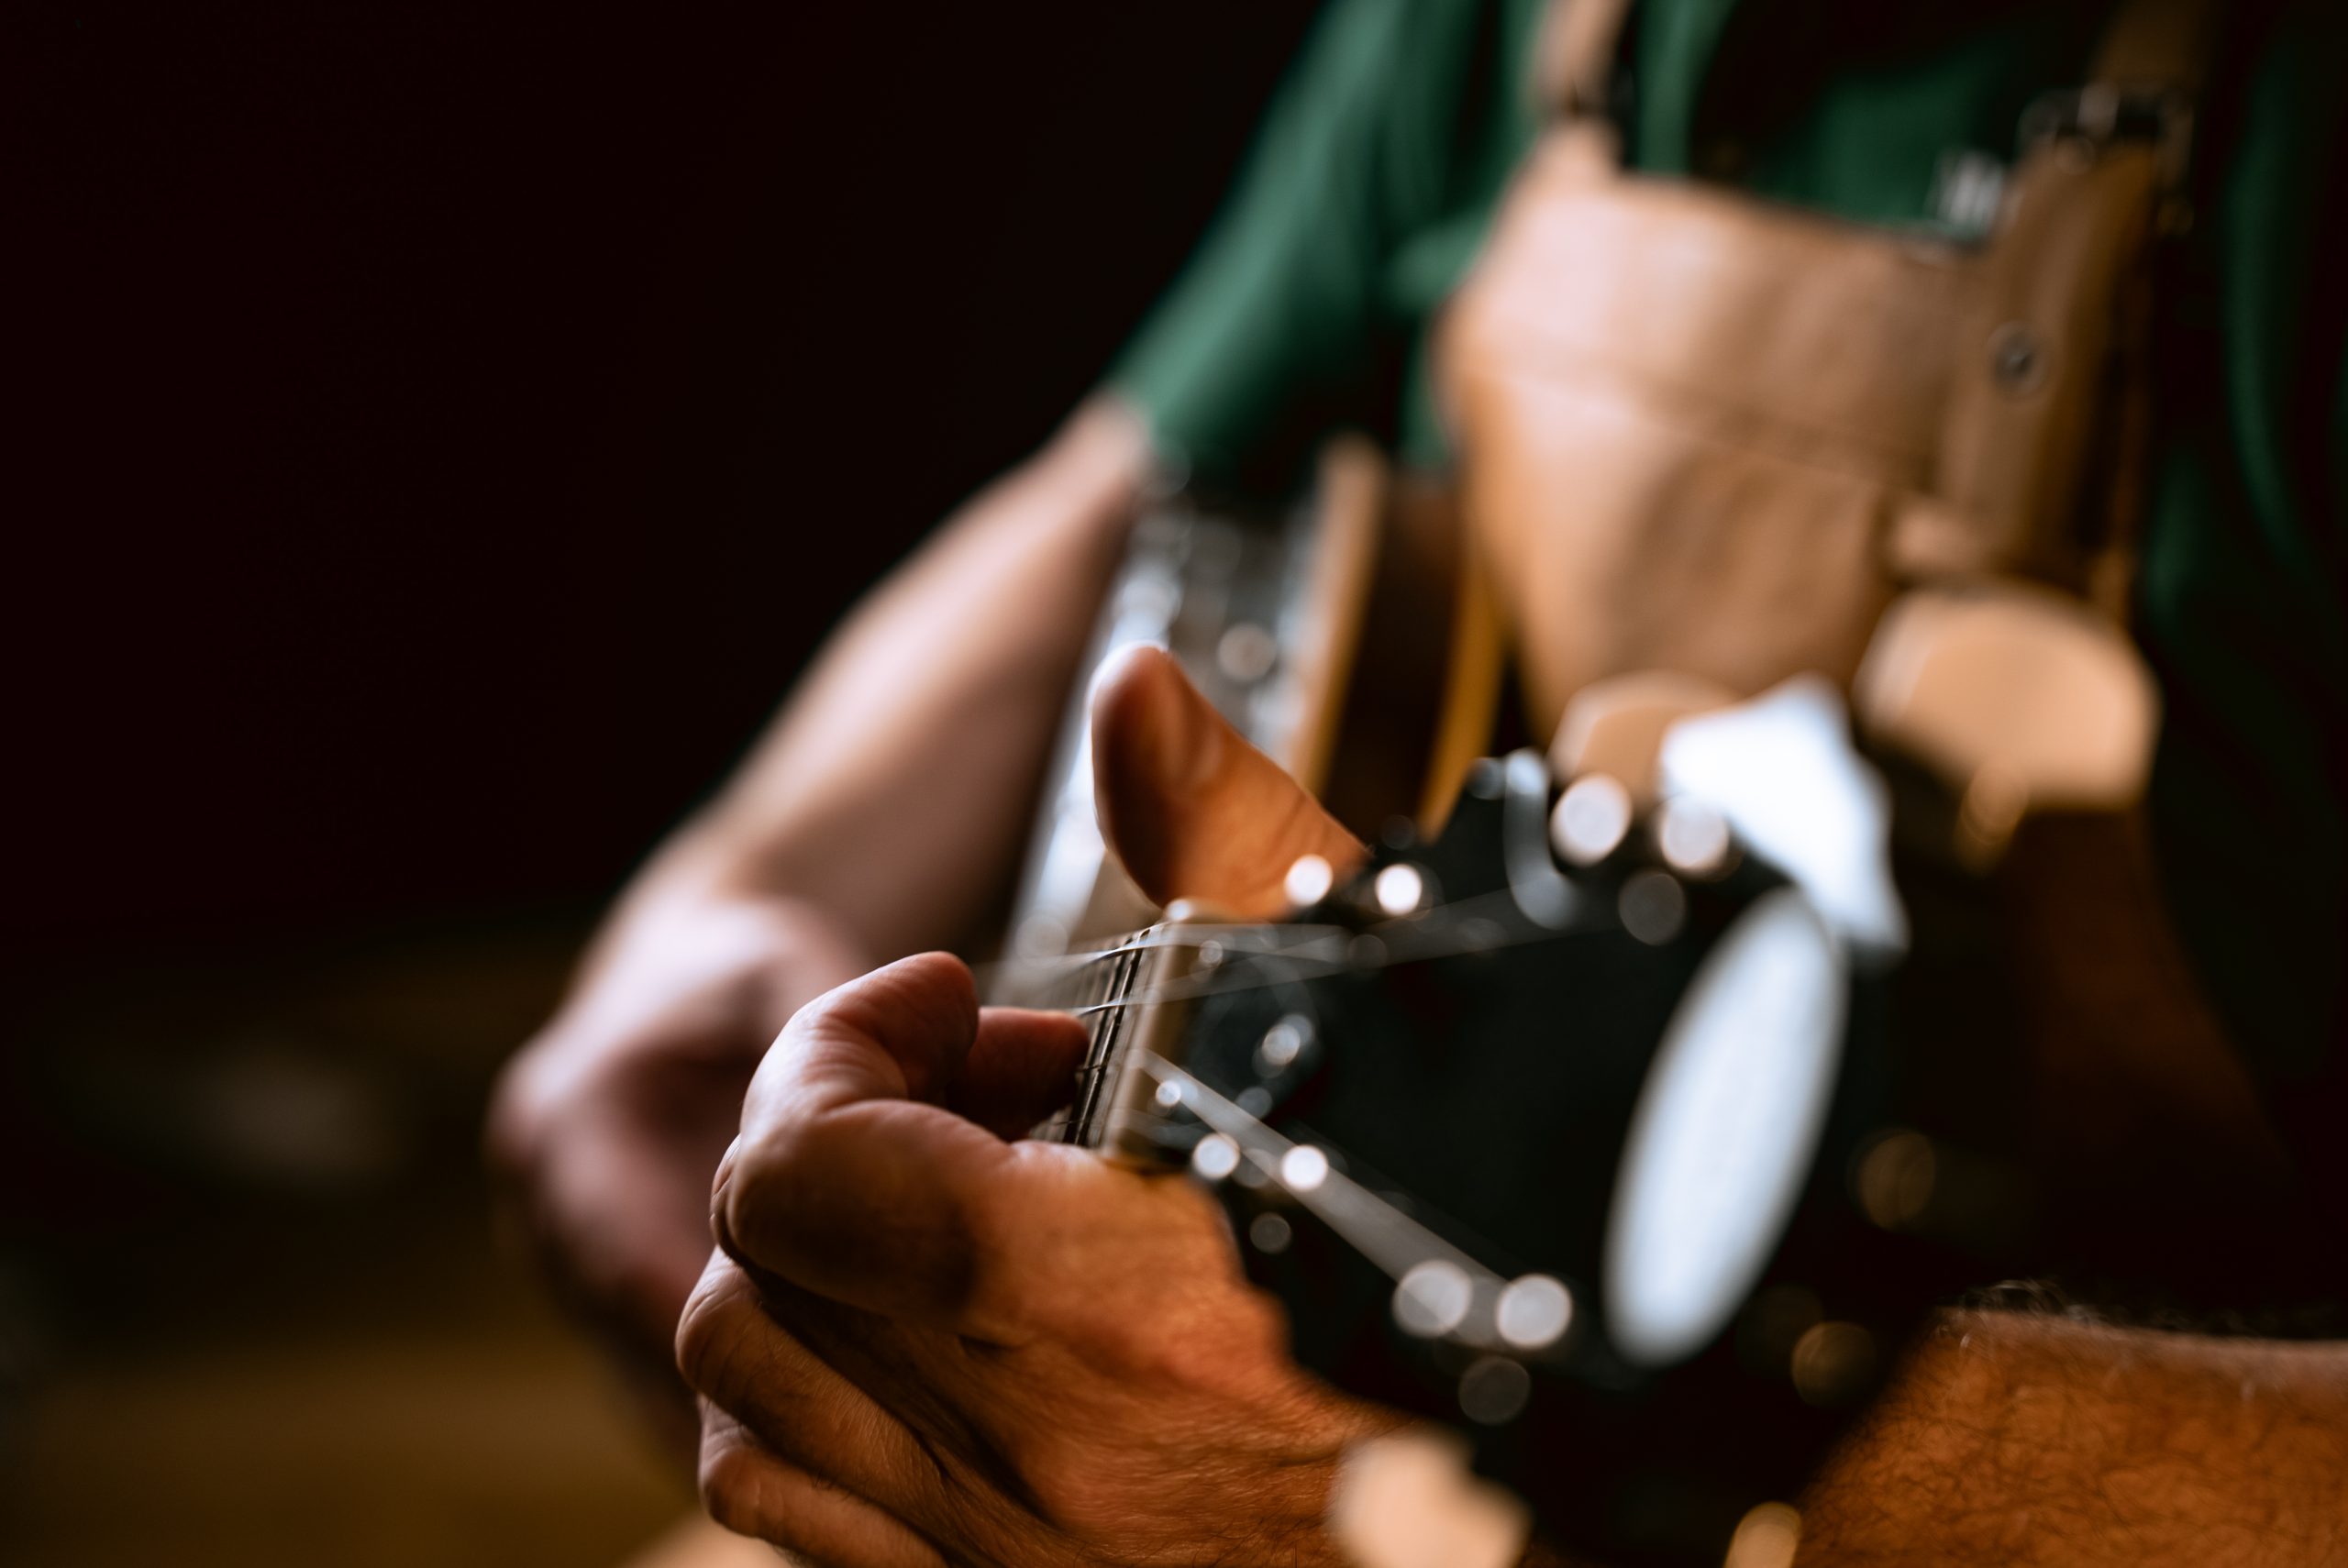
{"x":1615,"y":726}
{"x":2017,"y":697}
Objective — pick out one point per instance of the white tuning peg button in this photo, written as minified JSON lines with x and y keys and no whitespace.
{"x":1309,"y":880}
{"x":1408,"y":1500}
{"x":1591,"y":818}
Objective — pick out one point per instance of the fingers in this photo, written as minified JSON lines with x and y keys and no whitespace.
{"x":801,"y":1411}
{"x":1021,"y":1068}
{"x":1191,"y":807}
{"x":899,"y":1033}
{"x":845,"y":1186}
{"x":751,"y":1491}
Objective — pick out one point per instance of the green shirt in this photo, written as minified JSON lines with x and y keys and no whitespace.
{"x":1306,"y":309}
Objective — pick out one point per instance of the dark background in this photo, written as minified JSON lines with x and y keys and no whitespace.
{"x":439,"y":434}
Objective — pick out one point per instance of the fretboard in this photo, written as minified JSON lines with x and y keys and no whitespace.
{"x":1104,"y":988}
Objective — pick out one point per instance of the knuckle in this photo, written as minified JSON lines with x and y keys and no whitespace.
{"x":759,"y":1192}
{"x":780,"y":1149}
{"x":728,"y":1483}
{"x":711,"y":1329}
{"x":746,"y":1491}
{"x":1063,"y":1479}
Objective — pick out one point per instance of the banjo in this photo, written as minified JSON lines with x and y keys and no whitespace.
{"x":1578,"y":1123}
{"x":1575,"y":1126}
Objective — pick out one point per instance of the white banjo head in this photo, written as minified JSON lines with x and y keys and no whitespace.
{"x":1726,"y":1130}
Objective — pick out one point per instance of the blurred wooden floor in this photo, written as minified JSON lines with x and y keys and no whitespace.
{"x":269,"y":1323}
{"x":453,"y":1451}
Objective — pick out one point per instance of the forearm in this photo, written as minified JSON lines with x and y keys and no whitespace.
{"x":895,"y":786}
{"x":2013,"y":1438}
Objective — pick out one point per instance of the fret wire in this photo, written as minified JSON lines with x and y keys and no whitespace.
{"x":1112,"y":980}
{"x":1128,"y":971}
{"x":1097,"y":1057}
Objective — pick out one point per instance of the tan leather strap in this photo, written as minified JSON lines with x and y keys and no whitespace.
{"x":2042,"y":457}
{"x":2158,"y":43}
{"x":2161,"y":43}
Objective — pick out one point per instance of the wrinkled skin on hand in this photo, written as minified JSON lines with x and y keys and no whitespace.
{"x":923,"y":1343}
{"x":925,"y":1340}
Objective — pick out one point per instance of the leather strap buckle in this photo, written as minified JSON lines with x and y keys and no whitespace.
{"x":2077,"y":126}
{"x":2087,"y":121}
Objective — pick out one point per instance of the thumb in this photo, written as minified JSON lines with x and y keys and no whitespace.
{"x":849,"y":1182}
{"x":1191,"y":807}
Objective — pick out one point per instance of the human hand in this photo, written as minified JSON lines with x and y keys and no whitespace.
{"x":605,"y":1129}
{"x":923,"y":1341}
